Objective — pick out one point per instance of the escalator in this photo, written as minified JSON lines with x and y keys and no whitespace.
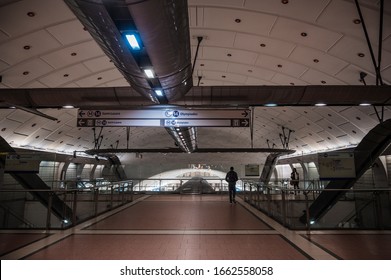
{"x":32,"y":181}
{"x":365,"y":154}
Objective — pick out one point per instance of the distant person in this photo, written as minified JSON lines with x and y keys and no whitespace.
{"x":231,"y":178}
{"x":295,"y":180}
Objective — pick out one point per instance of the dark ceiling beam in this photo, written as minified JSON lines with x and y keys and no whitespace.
{"x":198,"y":150}
{"x":216,"y":96}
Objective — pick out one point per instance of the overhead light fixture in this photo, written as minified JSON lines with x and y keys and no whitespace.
{"x":68,"y":107}
{"x":271,"y":105}
{"x":365,"y":104}
{"x":133,"y":41}
{"x":320,"y":104}
{"x":149,"y":73}
{"x":159,"y":92}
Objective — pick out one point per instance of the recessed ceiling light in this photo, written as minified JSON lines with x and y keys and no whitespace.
{"x":228,"y":54}
{"x":223,"y":76}
{"x":66,"y":75}
{"x":133,"y":41}
{"x":31,"y":14}
{"x":323,"y":82}
{"x":27,"y":47}
{"x":159,"y":92}
{"x":99,"y":78}
{"x":292,"y":84}
{"x":320,"y":104}
{"x":250,"y":71}
{"x":365,"y":104}
{"x":279,"y":66}
{"x":271,"y":105}
{"x":149,"y":73}
{"x":238,"y":20}
{"x":263,"y":45}
{"x":73,"y":54}
{"x":68,"y":107}
{"x":26,"y":73}
{"x":284,"y":1}
{"x":356,"y":21}
{"x":316,"y":60}
{"x":361,"y":54}
{"x":202,"y":64}
{"x":304,"y":34}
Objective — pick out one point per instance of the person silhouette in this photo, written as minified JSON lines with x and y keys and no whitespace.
{"x":295,"y":180}
{"x":232,"y":178}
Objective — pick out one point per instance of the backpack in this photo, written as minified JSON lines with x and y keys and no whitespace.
{"x":231,"y":176}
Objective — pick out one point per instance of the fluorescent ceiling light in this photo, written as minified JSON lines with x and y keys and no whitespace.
{"x":159,"y":92}
{"x":320,"y":104}
{"x":365,"y":104}
{"x":149,"y":73}
{"x":68,"y":107}
{"x":271,"y":105}
{"x":133,"y":42}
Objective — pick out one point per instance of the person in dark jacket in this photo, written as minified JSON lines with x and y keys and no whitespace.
{"x":231,"y":178}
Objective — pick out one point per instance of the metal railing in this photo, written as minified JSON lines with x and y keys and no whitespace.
{"x":357,"y":208}
{"x":360,"y":208}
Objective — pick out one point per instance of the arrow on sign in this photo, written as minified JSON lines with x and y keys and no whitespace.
{"x":82,"y":114}
{"x":244,"y":122}
{"x":245,"y":114}
{"x":81,"y":122}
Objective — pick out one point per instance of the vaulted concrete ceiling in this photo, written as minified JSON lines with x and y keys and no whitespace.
{"x":246,"y":43}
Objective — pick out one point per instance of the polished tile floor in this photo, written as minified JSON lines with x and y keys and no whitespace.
{"x":190,"y":227}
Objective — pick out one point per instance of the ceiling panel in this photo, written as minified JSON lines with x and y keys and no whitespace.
{"x":30,"y":45}
{"x":293,"y":9}
{"x":251,"y":81}
{"x":238,"y":20}
{"x":281,"y":65}
{"x":315,"y":77}
{"x":356,"y":52}
{"x":70,"y":32}
{"x":340,"y":16}
{"x":351,"y":76}
{"x":26,"y":72}
{"x":230,"y":55}
{"x":74,"y":54}
{"x":100,"y":78}
{"x":254,"y":72}
{"x":65,"y":75}
{"x":318,"y":60}
{"x":282,"y":79}
{"x":264,"y":45}
{"x":15,"y":19}
{"x":316,"y":37}
{"x":217,"y":38}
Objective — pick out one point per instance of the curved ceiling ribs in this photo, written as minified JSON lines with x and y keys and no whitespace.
{"x":159,"y":66}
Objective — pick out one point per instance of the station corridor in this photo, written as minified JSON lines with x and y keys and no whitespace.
{"x":190,"y":227}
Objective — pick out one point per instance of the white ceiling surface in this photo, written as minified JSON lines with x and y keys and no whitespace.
{"x":51,"y":49}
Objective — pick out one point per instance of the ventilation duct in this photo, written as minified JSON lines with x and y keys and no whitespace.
{"x":164,"y":47}
{"x":185,"y":138}
{"x":162,"y":27}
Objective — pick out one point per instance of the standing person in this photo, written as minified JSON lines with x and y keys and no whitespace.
{"x":231,"y":178}
{"x":295,"y":180}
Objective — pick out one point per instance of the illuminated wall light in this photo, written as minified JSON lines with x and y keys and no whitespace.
{"x":68,"y":107}
{"x":320,"y":104}
{"x":365,"y":104}
{"x":271,"y":105}
{"x":149,"y":73}
{"x":133,"y":42}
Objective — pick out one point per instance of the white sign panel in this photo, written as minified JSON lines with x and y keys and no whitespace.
{"x":336,"y":165}
{"x":163,"y":114}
